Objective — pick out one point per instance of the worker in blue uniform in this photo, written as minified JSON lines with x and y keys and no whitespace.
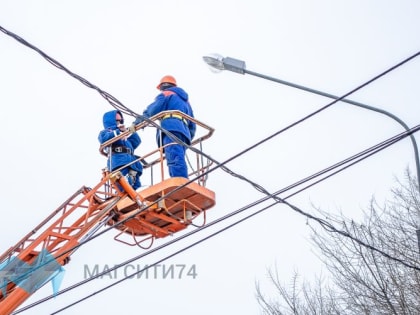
{"x":121,"y":151}
{"x":172,"y":97}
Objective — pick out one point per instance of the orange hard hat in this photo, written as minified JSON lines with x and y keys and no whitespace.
{"x":166,"y":79}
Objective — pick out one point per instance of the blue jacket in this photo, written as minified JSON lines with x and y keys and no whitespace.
{"x":111,"y":130}
{"x":173,"y":98}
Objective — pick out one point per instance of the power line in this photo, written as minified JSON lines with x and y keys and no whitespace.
{"x":342,"y":165}
{"x":324,"y":225}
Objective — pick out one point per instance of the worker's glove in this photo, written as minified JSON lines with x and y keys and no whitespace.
{"x":132,"y":128}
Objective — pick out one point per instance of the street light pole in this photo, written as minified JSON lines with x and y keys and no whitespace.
{"x":220,"y":63}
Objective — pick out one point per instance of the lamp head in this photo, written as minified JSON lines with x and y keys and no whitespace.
{"x":215,"y":62}
{"x":218,"y":63}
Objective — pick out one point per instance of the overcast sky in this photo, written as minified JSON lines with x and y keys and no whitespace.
{"x":51,"y":122}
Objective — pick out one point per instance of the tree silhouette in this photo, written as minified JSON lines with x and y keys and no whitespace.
{"x":383,"y":279}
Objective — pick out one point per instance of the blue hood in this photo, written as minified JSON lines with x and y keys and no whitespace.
{"x":109,"y":119}
{"x":180,"y":92}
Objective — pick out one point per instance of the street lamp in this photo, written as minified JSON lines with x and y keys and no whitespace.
{"x":219,"y":63}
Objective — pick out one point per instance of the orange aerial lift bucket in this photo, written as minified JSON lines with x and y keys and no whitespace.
{"x":164,"y":208}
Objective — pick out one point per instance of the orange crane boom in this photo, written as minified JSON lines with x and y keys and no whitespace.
{"x":33,"y":261}
{"x":143,"y":215}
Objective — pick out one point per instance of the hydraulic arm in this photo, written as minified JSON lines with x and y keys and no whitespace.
{"x":40,"y":255}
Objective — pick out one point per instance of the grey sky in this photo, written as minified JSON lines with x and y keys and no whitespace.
{"x":51,"y":122}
